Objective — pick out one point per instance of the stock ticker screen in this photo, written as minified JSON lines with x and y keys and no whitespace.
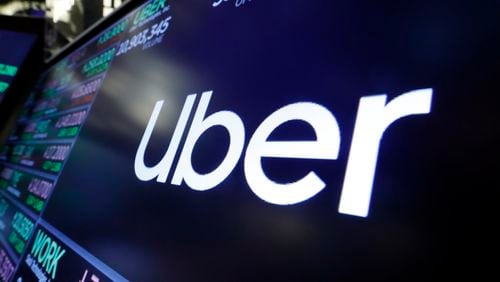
{"x":14,"y":46}
{"x":238,"y":140}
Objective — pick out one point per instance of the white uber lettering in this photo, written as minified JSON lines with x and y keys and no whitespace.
{"x":373,"y":118}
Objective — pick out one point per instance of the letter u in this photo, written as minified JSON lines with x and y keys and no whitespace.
{"x":161,"y":169}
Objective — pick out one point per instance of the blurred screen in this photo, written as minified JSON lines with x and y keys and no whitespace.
{"x":254,"y":140}
{"x":14,"y":46}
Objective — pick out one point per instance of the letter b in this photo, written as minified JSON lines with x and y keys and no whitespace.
{"x":233,"y":124}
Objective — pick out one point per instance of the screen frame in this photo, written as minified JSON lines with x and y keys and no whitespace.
{"x":93,"y":31}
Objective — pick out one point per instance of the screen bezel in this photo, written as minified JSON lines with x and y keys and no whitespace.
{"x":93,"y":31}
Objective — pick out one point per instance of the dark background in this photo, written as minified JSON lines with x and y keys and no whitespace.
{"x":433,"y":204}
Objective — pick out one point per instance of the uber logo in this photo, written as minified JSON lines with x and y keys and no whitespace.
{"x":374,"y":116}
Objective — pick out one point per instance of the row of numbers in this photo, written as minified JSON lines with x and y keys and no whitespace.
{"x":142,"y":38}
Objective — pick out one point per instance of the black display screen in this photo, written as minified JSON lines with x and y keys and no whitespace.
{"x":257,"y":140}
{"x":14,"y":46}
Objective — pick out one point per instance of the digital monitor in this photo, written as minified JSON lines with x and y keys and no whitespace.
{"x":21,"y":54}
{"x":14,"y":47}
{"x":233,"y":140}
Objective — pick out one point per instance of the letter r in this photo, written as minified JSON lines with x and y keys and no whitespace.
{"x":373,"y":118}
